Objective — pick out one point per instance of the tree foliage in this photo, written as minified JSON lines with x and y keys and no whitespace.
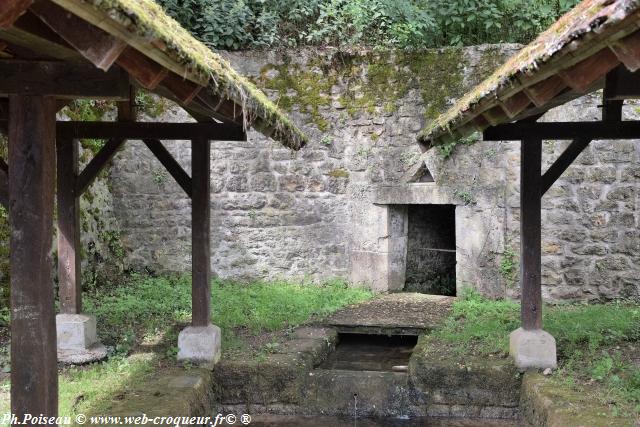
{"x":244,"y":24}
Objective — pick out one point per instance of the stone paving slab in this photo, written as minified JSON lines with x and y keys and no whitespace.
{"x":393,"y":314}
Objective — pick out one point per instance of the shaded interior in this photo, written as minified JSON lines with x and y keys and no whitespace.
{"x":363,"y":352}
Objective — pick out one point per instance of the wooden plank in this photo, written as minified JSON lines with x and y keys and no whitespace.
{"x":530,"y":233}
{"x":516,"y":104}
{"x":91,"y":171}
{"x":62,"y":80}
{"x":150,"y":130}
{"x":147,"y":73}
{"x":184,"y":90}
{"x":69,"y":272}
{"x":564,"y":130}
{"x":495,"y":115}
{"x":221,"y":108}
{"x":34,"y":371}
{"x":99,"y":47}
{"x":200,"y":232}
{"x":628,"y":50}
{"x":171,"y":165}
{"x":4,"y":184}
{"x":561,"y":164}
{"x":10,"y":10}
{"x":583,"y":74}
{"x":544,"y":91}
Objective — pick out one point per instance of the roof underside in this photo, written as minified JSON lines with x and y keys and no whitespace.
{"x":159,"y":55}
{"x":566,"y":61}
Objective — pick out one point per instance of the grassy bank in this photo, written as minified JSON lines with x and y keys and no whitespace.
{"x":598,"y":345}
{"x":140,"y":323}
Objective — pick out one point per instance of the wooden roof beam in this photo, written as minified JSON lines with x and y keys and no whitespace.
{"x":10,"y":10}
{"x":97,"y":46}
{"x":564,"y":130}
{"x":150,"y":130}
{"x":62,"y":80}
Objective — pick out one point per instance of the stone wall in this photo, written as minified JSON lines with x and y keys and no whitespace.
{"x":339,"y":206}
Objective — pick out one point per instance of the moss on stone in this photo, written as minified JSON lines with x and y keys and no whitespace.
{"x":339,"y":173}
{"x":372,"y":82}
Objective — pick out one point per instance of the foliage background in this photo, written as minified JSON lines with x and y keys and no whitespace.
{"x":411,"y":24}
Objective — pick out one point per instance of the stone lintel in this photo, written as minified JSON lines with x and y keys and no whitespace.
{"x":427,"y":193}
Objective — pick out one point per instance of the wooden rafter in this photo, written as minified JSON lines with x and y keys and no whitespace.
{"x":97,"y":46}
{"x":147,"y":73}
{"x":141,"y":43}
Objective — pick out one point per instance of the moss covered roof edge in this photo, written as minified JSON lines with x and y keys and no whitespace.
{"x":580,"y":30}
{"x":144,"y":19}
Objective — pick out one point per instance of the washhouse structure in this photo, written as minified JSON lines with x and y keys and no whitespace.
{"x":53,"y":52}
{"x":596,"y":45}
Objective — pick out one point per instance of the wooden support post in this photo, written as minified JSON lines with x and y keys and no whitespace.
{"x":530,"y":231}
{"x":200,"y":232}
{"x":34,"y":373}
{"x":4,"y":184}
{"x":69,"y":272}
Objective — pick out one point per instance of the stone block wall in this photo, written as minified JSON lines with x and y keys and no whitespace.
{"x":338,"y":207}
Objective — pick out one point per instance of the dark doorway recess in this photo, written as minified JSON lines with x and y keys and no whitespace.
{"x":364,"y":352}
{"x":431,"y":250}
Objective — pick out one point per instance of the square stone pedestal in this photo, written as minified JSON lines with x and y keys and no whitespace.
{"x":77,"y":339}
{"x":200,"y":344}
{"x":533,"y":349}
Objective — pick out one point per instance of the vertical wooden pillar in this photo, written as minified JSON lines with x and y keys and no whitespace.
{"x":34,"y":374}
{"x":530,"y":231}
{"x":200,"y":232}
{"x":69,"y":269}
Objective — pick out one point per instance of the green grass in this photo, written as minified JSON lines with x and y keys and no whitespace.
{"x":590,"y":340}
{"x":147,"y":308}
{"x":149,"y":305}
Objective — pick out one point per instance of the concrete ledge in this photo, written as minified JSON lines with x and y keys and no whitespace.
{"x":200,"y":344}
{"x":533,"y":349}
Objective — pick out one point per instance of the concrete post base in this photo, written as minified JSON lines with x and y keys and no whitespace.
{"x":77,"y":339}
{"x":200,"y":344}
{"x":532,"y":349}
